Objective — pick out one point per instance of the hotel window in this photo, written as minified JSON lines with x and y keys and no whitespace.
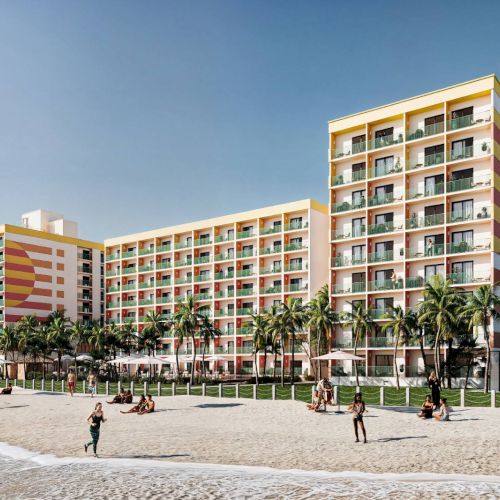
{"x":358,"y":198}
{"x":384,"y":250}
{"x":465,"y":178}
{"x":358,"y":167}
{"x":384,"y":137}
{"x":276,"y":302}
{"x":297,"y":282}
{"x":247,"y":267}
{"x":230,"y":234}
{"x":358,"y":227}
{"x":205,"y":275}
{"x":432,"y":270}
{"x":230,"y":253}
{"x":434,"y":155}
{"x":296,"y":222}
{"x":434,"y":185}
{"x":462,"y":148}
{"x":247,"y":286}
{"x":359,"y":144}
{"x":464,"y":270}
{"x":276,"y":244}
{"x":277,"y":224}
{"x":358,"y":254}
{"x":385,"y":219}
{"x":384,"y":166}
{"x":295,"y":262}
{"x":434,"y":124}
{"x":462,"y":240}
{"x":462,"y":210}
{"x":384,"y":192}
{"x":462,"y":117}
{"x":276,"y":283}
{"x":296,"y":241}
{"x":384,"y":304}
{"x":277,"y":265}
{"x":189,"y":241}
{"x":247,"y":229}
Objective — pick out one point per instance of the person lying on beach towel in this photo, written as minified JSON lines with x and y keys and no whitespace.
{"x":138,"y":407}
{"x":7,"y":390}
{"x":150,"y":406}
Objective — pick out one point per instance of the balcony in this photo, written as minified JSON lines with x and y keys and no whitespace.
{"x":245,"y":273}
{"x":147,"y":284}
{"x":429,"y":161}
{"x":270,"y":270}
{"x":184,"y":281}
{"x":161,"y":283}
{"x":132,"y":286}
{"x":427,"y":131}
{"x":466,"y":247}
{"x":415,"y":282}
{"x":129,"y":270}
{"x":425,"y":191}
{"x":356,"y":287}
{"x":462,"y":216}
{"x":471,"y":277}
{"x":221,"y":238}
{"x":129,"y":303}
{"x":345,"y":206}
{"x":433,"y":251}
{"x":146,"y":302}
{"x":388,"y":168}
{"x":146,"y":269}
{"x":381,"y":371}
{"x":146,"y":251}
{"x":475,"y":151}
{"x":270,"y":250}
{"x":384,"y":199}
{"x":270,"y":290}
{"x":296,"y":266}
{"x":245,"y":350}
{"x":383,"y":142}
{"x":386,"y":256}
{"x":222,"y":294}
{"x":348,"y":178}
{"x":183,"y":262}
{"x":164,"y":300}
{"x":223,"y":256}
{"x":296,"y":226}
{"x":245,"y":292}
{"x":163,"y":248}
{"x":183,"y":244}
{"x":221,"y":313}
{"x":129,"y":254}
{"x":340,"y":261}
{"x":383,"y":285}
{"x":384,"y":227}
{"x":202,"y":277}
{"x":112,"y":256}
{"x":245,"y":311}
{"x":112,"y":305}
{"x":381,"y":341}
{"x":229,"y":350}
{"x":479,"y":118}
{"x":244,"y":254}
{"x":350,"y":149}
{"x":202,"y":242}
{"x":114,"y":272}
{"x":468,"y":183}
{"x":202,"y":260}
{"x":203,"y":296}
{"x":294,"y":247}
{"x":163,"y":265}
{"x":270,"y":230}
{"x":296,"y":288}
{"x":245,"y":234}
{"x":380,"y":313}
{"x":113,"y":289}
{"x":342,"y":234}
{"x":415,"y":222}
{"x":343,"y":343}
{"x":224,"y":276}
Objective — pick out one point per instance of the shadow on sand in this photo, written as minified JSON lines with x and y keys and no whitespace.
{"x":217,"y":405}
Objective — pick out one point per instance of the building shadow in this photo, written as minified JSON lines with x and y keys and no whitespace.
{"x":218,"y":405}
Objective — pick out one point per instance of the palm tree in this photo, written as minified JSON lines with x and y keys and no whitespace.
{"x":78,"y":335}
{"x":439,"y":309}
{"x":259,"y":331}
{"x":188,"y":319}
{"x":321,"y":321}
{"x":177,"y":333}
{"x":208,"y":332}
{"x":26,"y":330}
{"x":45,"y":343}
{"x":418,"y":332}
{"x":401,"y":325}
{"x":97,"y":337}
{"x":8,"y":341}
{"x":361,"y":323}
{"x":293,"y":318}
{"x":479,"y":311}
{"x":127,"y":336}
{"x":155,"y":326}
{"x":273,"y":334}
{"x":59,"y":337}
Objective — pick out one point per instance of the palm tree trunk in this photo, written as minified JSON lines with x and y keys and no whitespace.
{"x":282,"y":361}
{"x":265,"y":361}
{"x":256,"y":368}
{"x":59,"y":356}
{"x":355,"y":362}
{"x":203,"y":360}
{"x":193,"y":366}
{"x":292,"y":368}
{"x":395,"y":361}
{"x":422,"y":350}
{"x":488,"y":358}
{"x":437,"y":363}
{"x":177,"y":361}
{"x":469,"y":364}
{"x":318,"y":350}
{"x":274,"y":367}
{"x":449,"y":360}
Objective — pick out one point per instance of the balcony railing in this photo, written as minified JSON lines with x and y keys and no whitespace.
{"x":296,"y":226}
{"x":381,"y":285}
{"x":146,"y":269}
{"x":129,"y":270}
{"x":224,"y":276}
{"x":297,"y":266}
{"x":114,"y":272}
{"x":146,"y":302}
{"x":296,"y":288}
{"x":202,"y":277}
{"x":163,"y":265}
{"x":202,"y":241}
{"x":343,"y":343}
{"x":129,"y":254}
{"x":270,"y":270}
{"x":292,"y":247}
{"x":479,"y":118}
{"x":220,"y":313}
{"x":223,"y":256}
{"x":245,"y":311}
{"x":382,"y":142}
{"x":202,"y":260}
{"x":183,"y":244}
{"x":112,"y":256}
{"x":270,"y":290}
{"x":381,"y":341}
{"x":428,"y":130}
{"x":415,"y":282}
{"x":222,"y":294}
{"x":112,"y":305}
{"x":427,"y":221}
{"x":245,"y":292}
{"x":342,"y":234}
{"x":164,"y":282}
{"x":348,"y":261}
{"x":380,"y":313}
{"x":429,"y":161}
{"x":386,"y":169}
{"x":246,"y":234}
{"x":427,"y":251}
{"x":384,"y":199}
{"x":465,"y":246}
{"x":244,"y":330}
{"x":163,"y":248}
{"x":183,"y":281}
{"x":461,"y":216}
{"x":270,"y":250}
{"x":246,"y":254}
{"x":348,"y":177}
{"x":224,"y":237}
{"x":425,"y":191}
{"x":245,"y":350}
{"x":147,"y":284}
{"x":203,"y":296}
{"x":356,"y":287}
{"x":468,"y":277}
{"x":129,"y":303}
{"x":113,"y":289}
{"x":474,"y":151}
{"x":384,"y":227}
{"x":131,"y":286}
{"x":345,"y":206}
{"x":270,"y":230}
{"x":183,"y":262}
{"x":245,"y":273}
{"x":146,"y":251}
{"x":380,"y":371}
{"x":350,"y":149}
{"x":164,"y":300}
{"x":468,"y":183}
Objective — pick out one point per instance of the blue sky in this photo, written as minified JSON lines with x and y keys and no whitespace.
{"x":127,"y":116}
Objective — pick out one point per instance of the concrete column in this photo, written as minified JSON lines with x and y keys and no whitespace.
{"x":407,"y":390}
{"x":43,"y":384}
{"x":462,"y":397}
{"x":132,"y":387}
{"x":119,"y":386}
{"x":273,"y":392}
{"x":159,"y":389}
{"x":220,"y":390}
{"x":24,"y":383}
{"x":382,"y":396}
{"x":294,"y":392}
{"x":493,"y":398}
{"x":203,"y":389}
{"x":145,"y":387}
{"x":173,"y":388}
{"x":254,"y":391}
{"x":188,"y":388}
{"x":335,"y":394}
{"x":83,"y":387}
{"x":33,"y":384}
{"x":107,"y":387}
{"x":237,"y":391}
{"x":52,"y":385}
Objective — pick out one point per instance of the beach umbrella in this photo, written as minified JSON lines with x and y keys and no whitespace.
{"x":85,"y":357}
{"x":66,"y":357}
{"x":5,"y":362}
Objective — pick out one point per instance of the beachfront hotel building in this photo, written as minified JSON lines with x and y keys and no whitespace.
{"x":413,"y":193}
{"x":45,"y":267}
{"x":235,"y":266}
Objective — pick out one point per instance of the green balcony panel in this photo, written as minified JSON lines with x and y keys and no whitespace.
{"x":428,"y":130}
{"x":415,"y":222}
{"x":345,"y":206}
{"x":433,"y":251}
{"x":388,"y":140}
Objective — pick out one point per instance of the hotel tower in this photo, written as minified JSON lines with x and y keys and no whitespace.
{"x":235,"y":266}
{"x":413,"y":193}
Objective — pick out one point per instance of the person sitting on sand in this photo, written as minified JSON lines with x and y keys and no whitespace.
{"x":138,"y":407}
{"x":426,"y":409}
{"x":128,"y":397}
{"x":150,"y":406}
{"x":118,"y":399}
{"x":444,"y":411}
{"x":7,"y":390}
{"x":325,"y":393}
{"x":315,"y":405}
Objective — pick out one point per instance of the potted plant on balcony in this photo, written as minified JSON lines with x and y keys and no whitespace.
{"x":484,"y":146}
{"x":400,"y":138}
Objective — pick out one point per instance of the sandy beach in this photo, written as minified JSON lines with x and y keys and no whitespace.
{"x":278,"y":434}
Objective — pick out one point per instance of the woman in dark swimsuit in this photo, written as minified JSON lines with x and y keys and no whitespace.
{"x":95,"y":419}
{"x":357,"y":407}
{"x":435,"y":387}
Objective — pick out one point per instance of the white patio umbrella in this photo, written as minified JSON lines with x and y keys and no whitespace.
{"x":5,"y":362}
{"x":85,"y":357}
{"x":339,"y":356}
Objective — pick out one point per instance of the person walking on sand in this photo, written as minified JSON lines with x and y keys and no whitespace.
{"x":92,"y":381}
{"x":435,"y":387}
{"x":357,"y":407}
{"x":95,"y":419}
{"x":71,"y":382}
